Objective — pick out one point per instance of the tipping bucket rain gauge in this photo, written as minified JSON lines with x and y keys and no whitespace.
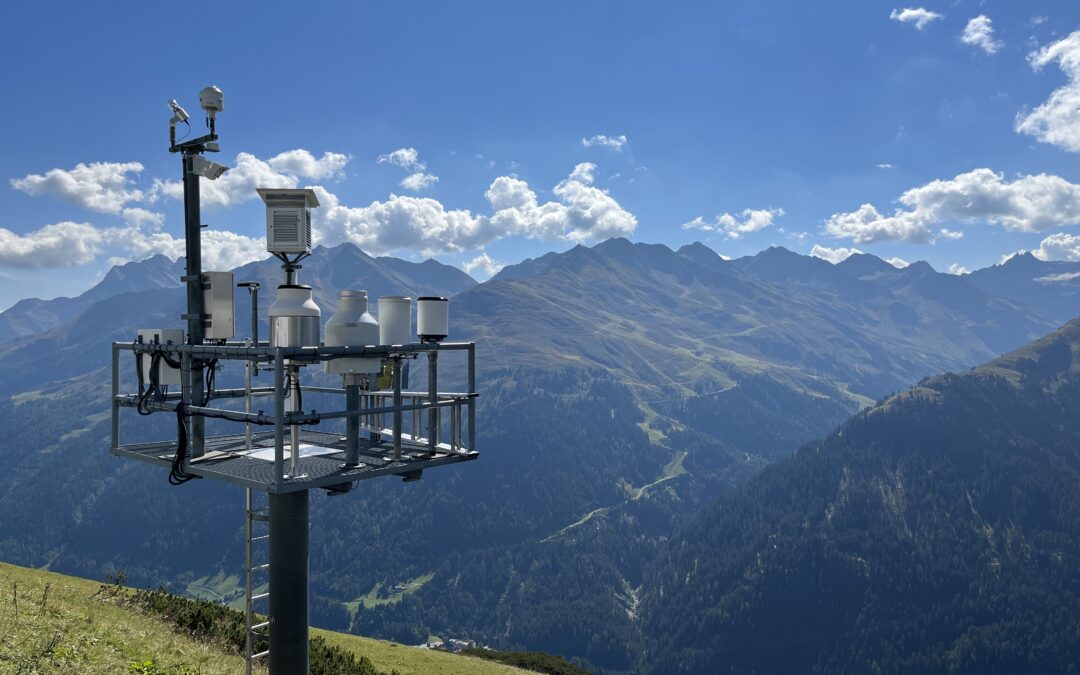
{"x":388,"y":431}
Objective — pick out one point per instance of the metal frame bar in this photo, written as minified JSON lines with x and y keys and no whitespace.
{"x":239,"y":350}
{"x":367,"y":412}
{"x":418,"y":460}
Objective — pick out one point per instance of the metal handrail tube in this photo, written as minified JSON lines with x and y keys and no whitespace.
{"x":385,"y":393}
{"x":240,"y":351}
{"x":314,"y":417}
{"x":290,"y":418}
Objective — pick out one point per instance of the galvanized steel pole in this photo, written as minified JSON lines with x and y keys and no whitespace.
{"x":195,"y":310}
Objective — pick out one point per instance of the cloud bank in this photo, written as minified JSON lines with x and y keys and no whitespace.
{"x":1030,"y":203}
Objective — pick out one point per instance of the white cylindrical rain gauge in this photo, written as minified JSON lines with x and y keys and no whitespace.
{"x":294,"y":318}
{"x":395,"y":320}
{"x":432,"y":318}
{"x":352,"y":326}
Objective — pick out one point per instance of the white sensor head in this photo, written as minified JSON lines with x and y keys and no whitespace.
{"x":212,"y":100}
{"x":432,"y":318}
{"x":395,"y":320}
{"x":201,"y":166}
{"x":179,"y":114}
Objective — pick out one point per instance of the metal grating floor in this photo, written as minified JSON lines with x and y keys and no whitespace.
{"x":221,"y":461}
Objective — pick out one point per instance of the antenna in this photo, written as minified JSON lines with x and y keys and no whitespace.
{"x":386,"y":432}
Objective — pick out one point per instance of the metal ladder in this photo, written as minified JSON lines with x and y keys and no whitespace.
{"x":255,"y":631}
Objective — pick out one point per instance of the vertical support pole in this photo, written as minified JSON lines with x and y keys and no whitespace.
{"x":433,"y":398}
{"x":370,"y":419}
{"x":254,"y":294}
{"x":397,"y":406}
{"x":352,"y":422}
{"x":115,"y":392}
{"x":279,"y":419}
{"x":472,"y":399}
{"x":247,"y":567}
{"x":294,"y":429}
{"x":247,"y":403}
{"x":195,"y":310}
{"x":289,"y":583}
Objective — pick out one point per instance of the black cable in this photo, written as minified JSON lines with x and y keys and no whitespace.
{"x":211,"y":379}
{"x":177,"y":476}
{"x":146,"y":391}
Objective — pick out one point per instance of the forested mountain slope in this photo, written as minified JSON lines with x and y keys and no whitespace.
{"x":936,"y":532}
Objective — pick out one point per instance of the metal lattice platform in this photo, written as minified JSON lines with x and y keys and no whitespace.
{"x":227,"y":459}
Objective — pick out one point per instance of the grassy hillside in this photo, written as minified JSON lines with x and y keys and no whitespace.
{"x":51,"y":623}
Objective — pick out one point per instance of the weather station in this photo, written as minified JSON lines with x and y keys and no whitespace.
{"x":388,"y":431}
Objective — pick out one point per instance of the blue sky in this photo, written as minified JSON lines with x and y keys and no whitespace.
{"x":757,"y":123}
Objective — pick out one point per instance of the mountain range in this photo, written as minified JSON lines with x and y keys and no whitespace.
{"x":625,"y":387}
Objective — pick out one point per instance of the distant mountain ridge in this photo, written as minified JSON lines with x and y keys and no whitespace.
{"x":148,"y":293}
{"x":1052,"y":287}
{"x":31,"y":316}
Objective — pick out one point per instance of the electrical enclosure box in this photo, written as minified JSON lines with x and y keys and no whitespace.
{"x":166,"y":375}
{"x":288,"y":219}
{"x":218,"y":305}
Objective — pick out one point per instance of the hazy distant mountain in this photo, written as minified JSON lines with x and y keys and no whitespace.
{"x":936,"y":532}
{"x":915,"y":298}
{"x":32,"y":316}
{"x":136,"y":295}
{"x":867,"y":266}
{"x":1052,"y":287}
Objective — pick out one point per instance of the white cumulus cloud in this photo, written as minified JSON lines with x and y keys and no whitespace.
{"x":105,"y":187}
{"x":898,"y":263}
{"x":1057,"y":120}
{"x":582,"y":212}
{"x":1030,"y":203}
{"x":418,"y":181}
{"x":409,"y":159}
{"x":833,"y":255}
{"x":735,"y":226}
{"x":301,"y":162}
{"x":615,"y":143}
{"x":221,"y":249}
{"x":1060,"y":246}
{"x":406,"y":158}
{"x":249,"y":172}
{"x":65,"y":244}
{"x":958,"y":269}
{"x":483,"y":266}
{"x":920,"y":16}
{"x":979,"y":32}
